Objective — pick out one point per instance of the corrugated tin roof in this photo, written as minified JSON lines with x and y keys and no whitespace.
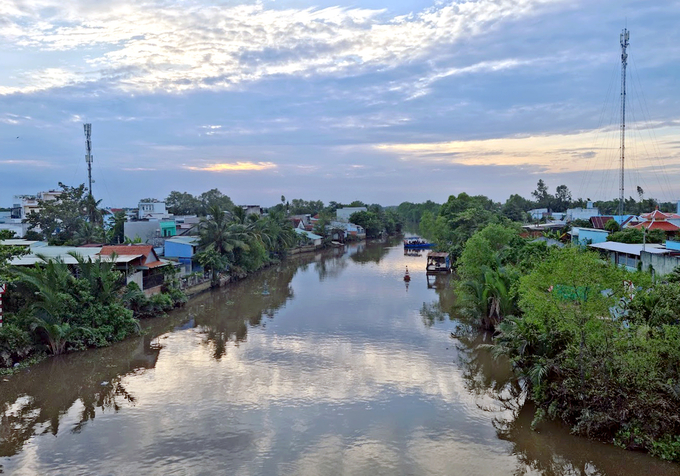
{"x":187,"y":240}
{"x":631,"y":248}
{"x":308,"y":234}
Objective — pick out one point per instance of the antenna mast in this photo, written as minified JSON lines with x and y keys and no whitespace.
{"x":625,"y":35}
{"x":88,"y":156}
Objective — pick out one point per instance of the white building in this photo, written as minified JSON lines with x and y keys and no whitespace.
{"x":152,"y":210}
{"x":582,"y":213}
{"x":343,"y":214}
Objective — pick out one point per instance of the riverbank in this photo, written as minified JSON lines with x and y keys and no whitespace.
{"x":334,"y":365}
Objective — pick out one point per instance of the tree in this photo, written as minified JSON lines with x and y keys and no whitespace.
{"x":516,"y":208}
{"x":612,"y":226}
{"x":541,"y":195}
{"x":562,"y":198}
{"x":183,"y":203}
{"x":61,"y":219}
{"x":215,"y":198}
{"x":369,"y":221}
{"x":116,"y":231}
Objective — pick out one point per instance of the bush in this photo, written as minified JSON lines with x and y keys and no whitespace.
{"x":15,"y":344}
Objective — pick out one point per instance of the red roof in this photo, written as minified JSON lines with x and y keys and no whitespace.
{"x":657,"y":225}
{"x":149,"y":256}
{"x":659,"y":215}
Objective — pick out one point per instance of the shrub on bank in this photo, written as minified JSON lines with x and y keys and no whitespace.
{"x":598,"y":353}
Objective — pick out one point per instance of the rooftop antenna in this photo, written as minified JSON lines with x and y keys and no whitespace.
{"x":625,"y":35}
{"x":88,"y":156}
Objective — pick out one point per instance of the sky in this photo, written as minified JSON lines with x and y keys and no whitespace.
{"x":340,"y":100}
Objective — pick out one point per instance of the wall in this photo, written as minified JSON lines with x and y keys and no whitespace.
{"x":661,"y":264}
{"x":589,"y":236}
{"x":178,"y":250}
{"x":146,"y":230}
{"x":343,"y":214}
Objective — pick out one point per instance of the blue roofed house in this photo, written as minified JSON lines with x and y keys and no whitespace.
{"x":588,"y":236}
{"x":183,"y":248}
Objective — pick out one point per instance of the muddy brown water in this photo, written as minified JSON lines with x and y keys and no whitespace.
{"x":326,"y":364}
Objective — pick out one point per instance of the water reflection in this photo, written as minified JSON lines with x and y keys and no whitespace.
{"x":331,"y":372}
{"x":36,"y":401}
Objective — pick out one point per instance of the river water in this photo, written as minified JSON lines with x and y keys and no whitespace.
{"x":326,"y":364}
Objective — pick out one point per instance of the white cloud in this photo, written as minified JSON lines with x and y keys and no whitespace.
{"x":160,"y":47}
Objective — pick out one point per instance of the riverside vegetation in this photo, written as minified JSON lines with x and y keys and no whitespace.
{"x":54,"y":308}
{"x":595,"y":346}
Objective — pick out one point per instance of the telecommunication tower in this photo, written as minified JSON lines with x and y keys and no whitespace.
{"x":88,"y":156}
{"x":625,"y":35}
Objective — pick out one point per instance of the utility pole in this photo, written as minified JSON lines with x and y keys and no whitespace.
{"x":625,"y":35}
{"x":88,"y":156}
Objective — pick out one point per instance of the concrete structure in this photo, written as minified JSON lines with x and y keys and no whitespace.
{"x":343,"y":214}
{"x":538,"y":213}
{"x":587,"y":236}
{"x":628,"y":255}
{"x":582,"y":213}
{"x":146,"y":230}
{"x":252,"y":209}
{"x":168,"y":228}
{"x":24,"y":204}
{"x":149,"y":210}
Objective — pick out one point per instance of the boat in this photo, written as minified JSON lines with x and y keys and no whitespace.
{"x":416,"y":243}
{"x":438,"y":262}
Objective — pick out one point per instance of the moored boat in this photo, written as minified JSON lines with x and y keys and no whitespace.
{"x":438,"y":262}
{"x":416,"y":243}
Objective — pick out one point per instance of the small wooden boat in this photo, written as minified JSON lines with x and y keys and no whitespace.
{"x":416,"y":243}
{"x":438,"y":262}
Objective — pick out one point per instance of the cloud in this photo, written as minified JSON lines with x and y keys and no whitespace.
{"x":547,"y":153}
{"x":233,"y":166}
{"x":160,"y":47}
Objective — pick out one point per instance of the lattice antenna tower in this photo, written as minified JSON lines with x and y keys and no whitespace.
{"x":88,"y":156}
{"x":625,"y":35}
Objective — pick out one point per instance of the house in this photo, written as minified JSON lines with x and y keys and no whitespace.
{"x":582,"y":213}
{"x":183,"y":248}
{"x":141,"y":265}
{"x":252,"y":209}
{"x":349,"y":229}
{"x":343,"y":214}
{"x":538,"y":213}
{"x":587,"y":236}
{"x":149,"y":210}
{"x":657,"y":220}
{"x":628,"y":255}
{"x":312,"y":239}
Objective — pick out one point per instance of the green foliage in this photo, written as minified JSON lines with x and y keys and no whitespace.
{"x":304,"y":207}
{"x":6,"y":234}
{"x":612,"y":226}
{"x":516,"y":208}
{"x":370,"y":221}
{"x":74,"y":217}
{"x":184,"y":203}
{"x":413,"y":212}
{"x":15,"y":344}
{"x":606,"y":359}
{"x":70,"y":313}
{"x":636,"y":235}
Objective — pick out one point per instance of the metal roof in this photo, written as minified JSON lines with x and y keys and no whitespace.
{"x":187,"y":240}
{"x":309,"y":234}
{"x":631,"y":248}
{"x":437,"y":254}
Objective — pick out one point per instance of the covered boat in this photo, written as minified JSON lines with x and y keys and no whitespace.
{"x":416,"y":243}
{"x":438,"y":262}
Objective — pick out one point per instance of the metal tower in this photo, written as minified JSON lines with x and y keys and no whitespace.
{"x":88,"y":156}
{"x":625,"y":35}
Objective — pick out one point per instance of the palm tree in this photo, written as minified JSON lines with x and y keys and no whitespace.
{"x":489,"y":297}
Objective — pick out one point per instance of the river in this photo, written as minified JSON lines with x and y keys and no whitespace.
{"x":325,"y":364}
